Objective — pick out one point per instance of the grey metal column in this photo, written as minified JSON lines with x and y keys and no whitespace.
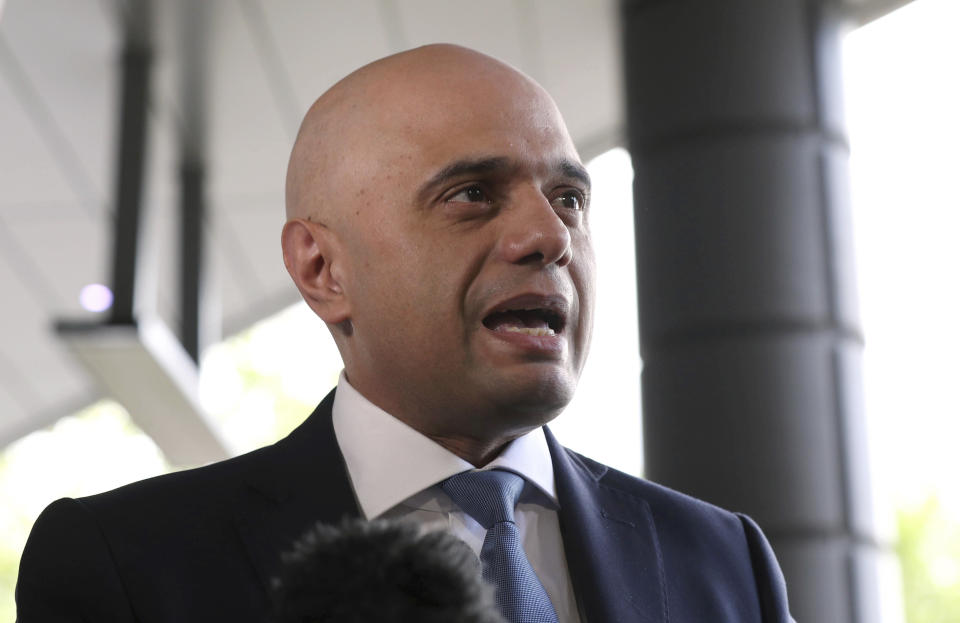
{"x":749,"y":326}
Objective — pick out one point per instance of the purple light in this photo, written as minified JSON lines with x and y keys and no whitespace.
{"x":96,"y":297}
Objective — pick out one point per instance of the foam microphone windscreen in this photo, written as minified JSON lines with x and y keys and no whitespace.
{"x":383,"y":571}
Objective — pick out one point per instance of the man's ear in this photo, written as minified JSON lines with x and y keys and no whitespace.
{"x":311,"y":253}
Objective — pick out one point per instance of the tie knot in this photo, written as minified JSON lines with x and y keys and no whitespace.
{"x":487,"y":496}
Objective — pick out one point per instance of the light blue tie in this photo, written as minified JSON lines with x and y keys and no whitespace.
{"x":489,"y":497}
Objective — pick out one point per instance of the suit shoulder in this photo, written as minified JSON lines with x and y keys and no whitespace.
{"x":704,"y":544}
{"x":67,"y":572}
{"x":670,"y":505}
{"x":84,"y":549}
{"x":265,"y":469}
{"x":207,"y":484}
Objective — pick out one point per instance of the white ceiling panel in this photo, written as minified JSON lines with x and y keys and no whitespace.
{"x":13,"y":413}
{"x":249,"y":139}
{"x":320,"y":42}
{"x":62,"y":377}
{"x":70,"y":84}
{"x":36,"y":377}
{"x":29,"y":174}
{"x":68,"y":252}
{"x":237,"y":268}
{"x":582,"y":69}
{"x":29,"y":304}
{"x":496,"y":27}
{"x":29,"y":316}
{"x":232,"y":291}
{"x":23,"y":308}
{"x":256,"y":235}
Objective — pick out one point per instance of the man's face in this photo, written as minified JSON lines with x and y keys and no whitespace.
{"x":471,"y":271}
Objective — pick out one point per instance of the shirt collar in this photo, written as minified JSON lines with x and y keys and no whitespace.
{"x":388,"y":461}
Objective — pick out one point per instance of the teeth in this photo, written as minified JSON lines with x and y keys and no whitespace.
{"x":539,"y":331}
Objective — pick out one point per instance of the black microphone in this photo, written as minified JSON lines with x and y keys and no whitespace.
{"x":383,"y":571}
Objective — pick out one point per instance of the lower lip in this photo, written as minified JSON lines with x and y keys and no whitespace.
{"x":545,"y":344}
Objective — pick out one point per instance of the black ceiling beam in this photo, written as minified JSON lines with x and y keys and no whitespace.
{"x":193,"y":158}
{"x":131,"y":154}
{"x":191,"y":256}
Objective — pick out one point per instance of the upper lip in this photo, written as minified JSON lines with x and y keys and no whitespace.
{"x":555,"y":305}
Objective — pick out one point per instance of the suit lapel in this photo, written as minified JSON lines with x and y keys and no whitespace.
{"x":608,"y":533}
{"x":610,"y":544}
{"x":297,"y":482}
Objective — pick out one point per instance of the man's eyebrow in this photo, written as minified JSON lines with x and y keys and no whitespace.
{"x":467,"y":166}
{"x":482,"y":166}
{"x":576,"y":171}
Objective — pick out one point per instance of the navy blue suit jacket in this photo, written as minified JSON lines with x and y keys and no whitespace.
{"x":203,"y":544}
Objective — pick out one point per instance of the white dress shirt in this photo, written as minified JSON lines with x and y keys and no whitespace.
{"x":395,"y":471}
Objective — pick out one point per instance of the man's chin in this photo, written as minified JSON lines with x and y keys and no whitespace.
{"x":533,"y":399}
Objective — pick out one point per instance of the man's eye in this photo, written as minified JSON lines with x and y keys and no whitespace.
{"x":471,"y":194}
{"x":570,"y":200}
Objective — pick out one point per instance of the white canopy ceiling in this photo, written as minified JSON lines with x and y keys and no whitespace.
{"x":267,"y":60}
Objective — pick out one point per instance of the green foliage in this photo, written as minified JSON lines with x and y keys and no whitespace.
{"x":260,"y":408}
{"x":10,"y":546}
{"x":929,"y":552}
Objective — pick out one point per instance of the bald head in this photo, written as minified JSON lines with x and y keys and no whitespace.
{"x":369,"y":119}
{"x":428,"y":194}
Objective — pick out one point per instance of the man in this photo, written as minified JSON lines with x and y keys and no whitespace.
{"x":438,"y":224}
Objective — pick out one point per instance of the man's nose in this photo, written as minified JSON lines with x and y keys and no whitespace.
{"x":535,"y":233}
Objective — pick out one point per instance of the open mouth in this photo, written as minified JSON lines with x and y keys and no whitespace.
{"x":537,"y":321}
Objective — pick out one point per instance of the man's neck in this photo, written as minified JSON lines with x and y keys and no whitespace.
{"x":477,"y":447}
{"x":476,"y":452}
